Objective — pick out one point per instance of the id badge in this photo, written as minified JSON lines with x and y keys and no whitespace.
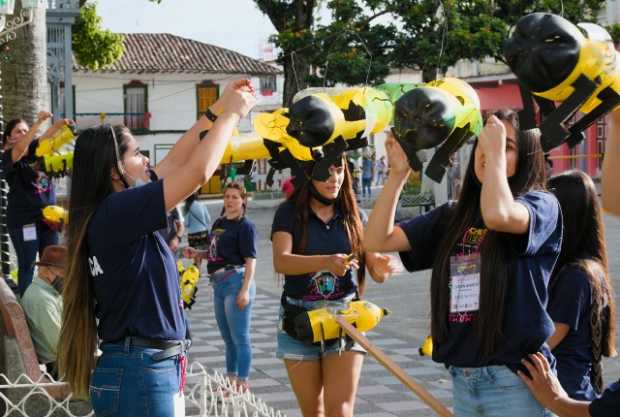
{"x":179,"y":404}
{"x":30,"y":232}
{"x":464,"y":283}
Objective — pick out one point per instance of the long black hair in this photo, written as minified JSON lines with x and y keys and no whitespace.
{"x":494,"y":249}
{"x":10,"y":125}
{"x":584,"y":247}
{"x":97,"y":154}
{"x":345,"y":203}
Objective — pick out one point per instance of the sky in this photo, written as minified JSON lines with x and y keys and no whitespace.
{"x":233,"y":24}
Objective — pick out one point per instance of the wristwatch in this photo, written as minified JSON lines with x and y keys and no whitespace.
{"x":210,"y":115}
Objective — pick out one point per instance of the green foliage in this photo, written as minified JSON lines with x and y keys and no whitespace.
{"x":94,"y":47}
{"x":614,"y":31}
{"x":426,"y":35}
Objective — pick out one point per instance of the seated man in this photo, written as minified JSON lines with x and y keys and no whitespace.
{"x":42,"y":304}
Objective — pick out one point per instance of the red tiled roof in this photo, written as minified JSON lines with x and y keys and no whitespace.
{"x":166,"y":53}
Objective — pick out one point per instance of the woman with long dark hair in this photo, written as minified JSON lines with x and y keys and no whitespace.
{"x":30,"y":190}
{"x":491,"y":254}
{"x":582,"y":302}
{"x":317,"y":243}
{"x":122,"y":284}
{"x":231,"y":256}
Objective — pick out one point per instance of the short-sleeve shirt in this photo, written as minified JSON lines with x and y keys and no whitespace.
{"x":321,"y":239}
{"x":42,"y":305}
{"x":527,"y":324}
{"x":569,"y":304}
{"x":230,"y":242}
{"x":136,"y":282}
{"x":197,"y":218}
{"x":30,"y":189}
{"x":609,"y":404}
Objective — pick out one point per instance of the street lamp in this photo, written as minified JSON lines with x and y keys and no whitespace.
{"x":8,"y":27}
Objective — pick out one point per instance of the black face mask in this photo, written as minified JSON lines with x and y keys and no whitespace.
{"x":58,"y":284}
{"x":320,"y":198}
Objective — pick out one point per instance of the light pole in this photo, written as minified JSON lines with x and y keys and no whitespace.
{"x":8,"y":31}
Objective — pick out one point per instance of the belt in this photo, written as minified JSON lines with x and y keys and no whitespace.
{"x":228,"y":268}
{"x":298,"y":302}
{"x":169,"y":348}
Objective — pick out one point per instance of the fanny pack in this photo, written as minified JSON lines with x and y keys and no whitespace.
{"x":293,"y":309}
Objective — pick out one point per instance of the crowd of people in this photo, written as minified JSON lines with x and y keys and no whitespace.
{"x":522,"y":305}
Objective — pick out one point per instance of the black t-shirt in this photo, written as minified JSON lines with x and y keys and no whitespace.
{"x":569,"y":304}
{"x":322,"y":239}
{"x":609,"y":404}
{"x":30,"y":189}
{"x":527,"y":324}
{"x":134,"y":273}
{"x":230,"y":242}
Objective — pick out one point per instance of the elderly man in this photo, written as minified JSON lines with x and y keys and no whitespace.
{"x":42,"y":303}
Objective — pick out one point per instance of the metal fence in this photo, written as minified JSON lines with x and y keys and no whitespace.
{"x":206,"y":394}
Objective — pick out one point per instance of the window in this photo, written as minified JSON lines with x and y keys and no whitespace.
{"x":206,"y":94}
{"x":268,"y":85}
{"x":136,"y":106}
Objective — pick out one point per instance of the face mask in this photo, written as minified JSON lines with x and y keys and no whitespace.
{"x":139,"y":182}
{"x":58,"y":284}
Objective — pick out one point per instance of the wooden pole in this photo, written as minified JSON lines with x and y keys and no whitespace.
{"x":393,"y":367}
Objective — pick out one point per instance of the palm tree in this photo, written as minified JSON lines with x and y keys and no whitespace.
{"x":24,"y":70}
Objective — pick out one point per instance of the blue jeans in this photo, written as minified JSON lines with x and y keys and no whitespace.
{"x":234,"y":324}
{"x":492,"y":391}
{"x":127,"y":382}
{"x":27,"y":251}
{"x":366,"y":183}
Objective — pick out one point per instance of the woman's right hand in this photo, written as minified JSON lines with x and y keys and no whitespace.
{"x":43,"y":116}
{"x":238,"y":98}
{"x":338,"y":264}
{"x":397,"y":159}
{"x":190,"y":253}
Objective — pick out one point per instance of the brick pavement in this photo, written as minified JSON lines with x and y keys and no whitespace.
{"x":379,"y":395}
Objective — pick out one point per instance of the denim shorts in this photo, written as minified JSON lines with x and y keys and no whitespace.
{"x":492,"y":391}
{"x":293,"y":349}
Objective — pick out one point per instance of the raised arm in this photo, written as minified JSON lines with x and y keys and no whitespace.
{"x":20,"y":149}
{"x":181,"y":152}
{"x":380,"y":234}
{"x":182,"y":181}
{"x":611,"y":185}
{"x":499,"y":209}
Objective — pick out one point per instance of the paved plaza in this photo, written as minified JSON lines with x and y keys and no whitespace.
{"x":399,"y":335}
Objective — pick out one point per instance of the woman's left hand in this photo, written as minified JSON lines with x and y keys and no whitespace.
{"x":492,"y":139}
{"x":243,"y":299}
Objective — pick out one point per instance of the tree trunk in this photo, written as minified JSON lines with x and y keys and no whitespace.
{"x":296,"y":71}
{"x":24,"y":71}
{"x":430,"y":74}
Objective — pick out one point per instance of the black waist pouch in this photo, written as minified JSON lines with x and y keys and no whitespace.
{"x":295,"y":324}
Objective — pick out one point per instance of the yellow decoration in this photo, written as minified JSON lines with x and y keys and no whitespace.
{"x":63,"y":136}
{"x":364,"y":315}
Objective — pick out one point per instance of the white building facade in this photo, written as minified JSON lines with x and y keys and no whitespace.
{"x":163,"y":84}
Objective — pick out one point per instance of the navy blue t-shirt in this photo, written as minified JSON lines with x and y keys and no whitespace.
{"x":30,"y":189}
{"x":570,"y":301}
{"x":230,"y":242}
{"x":527,"y":324}
{"x":134,"y":273}
{"x":322,"y":239}
{"x":609,"y":404}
